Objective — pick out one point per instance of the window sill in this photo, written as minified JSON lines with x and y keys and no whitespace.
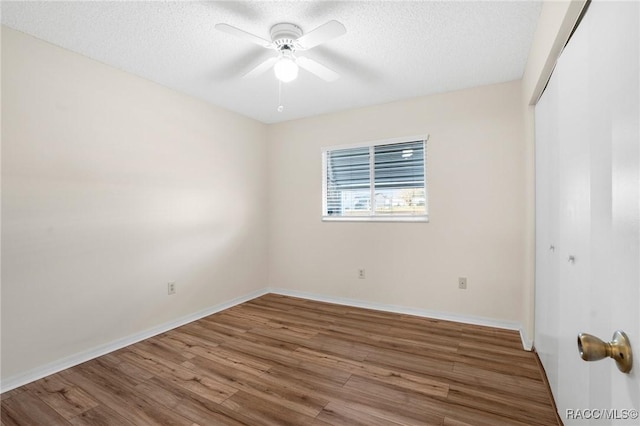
{"x":416,"y":218}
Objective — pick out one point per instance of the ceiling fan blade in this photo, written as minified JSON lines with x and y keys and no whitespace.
{"x":317,"y":69}
{"x":262,"y":68}
{"x":244,"y":35}
{"x":323,"y":33}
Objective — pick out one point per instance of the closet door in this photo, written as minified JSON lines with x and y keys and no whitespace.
{"x":588,"y":209}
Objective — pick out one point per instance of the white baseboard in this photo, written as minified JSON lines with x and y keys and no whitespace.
{"x":466,"y":319}
{"x":527,"y":343}
{"x":75,"y":359}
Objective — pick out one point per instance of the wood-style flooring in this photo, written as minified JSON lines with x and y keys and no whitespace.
{"x":280,"y":360}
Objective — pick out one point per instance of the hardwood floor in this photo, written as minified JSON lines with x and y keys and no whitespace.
{"x":280,"y":360}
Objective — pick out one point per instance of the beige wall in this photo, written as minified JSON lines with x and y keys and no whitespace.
{"x":476,"y":207}
{"x":113,"y":186}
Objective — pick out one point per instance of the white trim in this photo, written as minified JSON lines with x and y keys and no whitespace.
{"x":75,"y":359}
{"x":373,"y":216}
{"x":376,"y":218}
{"x":466,"y":319}
{"x":324,"y":182}
{"x":527,"y":343}
{"x":414,"y":138}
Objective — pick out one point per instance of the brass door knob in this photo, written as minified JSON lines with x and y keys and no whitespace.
{"x":593,"y":349}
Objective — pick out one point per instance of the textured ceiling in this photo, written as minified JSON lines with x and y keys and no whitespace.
{"x":391,"y":51}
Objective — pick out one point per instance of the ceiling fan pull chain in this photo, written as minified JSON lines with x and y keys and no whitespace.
{"x":280,"y":106}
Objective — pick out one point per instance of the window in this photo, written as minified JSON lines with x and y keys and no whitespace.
{"x":378,"y":181}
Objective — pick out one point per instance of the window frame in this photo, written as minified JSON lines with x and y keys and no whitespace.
{"x":373,"y":217}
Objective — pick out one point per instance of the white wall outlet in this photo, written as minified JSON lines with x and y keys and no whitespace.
{"x":171,"y":288}
{"x":462,"y":283}
{"x":361,"y":274}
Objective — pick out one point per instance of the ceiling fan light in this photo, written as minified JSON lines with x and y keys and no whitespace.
{"x":286,"y":70}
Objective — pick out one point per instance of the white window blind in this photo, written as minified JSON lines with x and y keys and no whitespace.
{"x":385,"y":181}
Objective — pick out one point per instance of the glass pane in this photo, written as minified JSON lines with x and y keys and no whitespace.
{"x":401,"y":201}
{"x":355,"y":203}
{"x":399,"y":179}
{"x":348,"y":182}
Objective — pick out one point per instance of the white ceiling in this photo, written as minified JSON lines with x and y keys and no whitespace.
{"x":391,"y":51}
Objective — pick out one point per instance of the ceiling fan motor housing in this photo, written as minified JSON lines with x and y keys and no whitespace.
{"x":287,"y":39}
{"x":284,"y":36}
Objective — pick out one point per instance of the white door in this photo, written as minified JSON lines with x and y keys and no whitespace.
{"x":588,"y":214}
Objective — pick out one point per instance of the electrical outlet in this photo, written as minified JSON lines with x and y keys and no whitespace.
{"x":361,"y":274}
{"x":462,"y":283}
{"x":171,"y":288}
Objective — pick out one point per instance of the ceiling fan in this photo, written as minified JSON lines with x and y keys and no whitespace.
{"x":287,"y":39}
